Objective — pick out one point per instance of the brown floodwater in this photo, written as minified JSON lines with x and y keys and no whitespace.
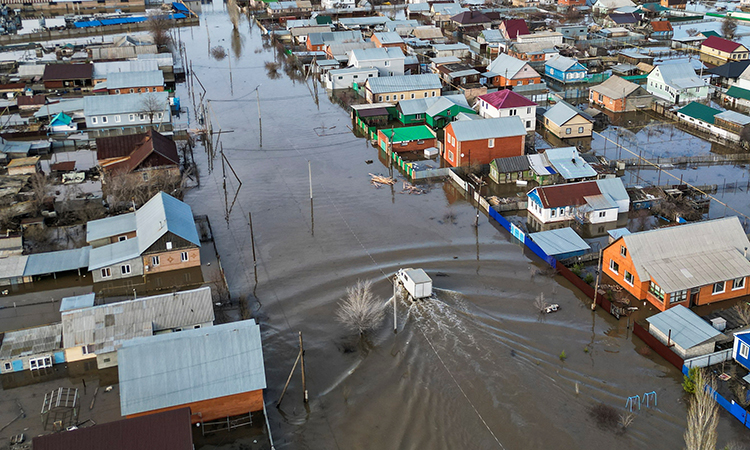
{"x":476,"y":367}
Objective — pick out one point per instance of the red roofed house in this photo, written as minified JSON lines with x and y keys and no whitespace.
{"x":716,"y":50}
{"x":661,"y":29}
{"x":482,"y":140}
{"x":511,"y":28}
{"x":71,"y":76}
{"x":505,"y":103}
{"x":471,"y":19}
{"x":145,"y":155}
{"x":595,"y":202}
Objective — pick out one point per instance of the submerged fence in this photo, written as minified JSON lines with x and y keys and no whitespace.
{"x":731,"y":406}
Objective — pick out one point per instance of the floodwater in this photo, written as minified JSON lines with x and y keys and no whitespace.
{"x":474,"y":368}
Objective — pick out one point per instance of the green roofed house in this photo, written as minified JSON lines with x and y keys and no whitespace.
{"x":737,"y":97}
{"x":407,"y":139}
{"x":697,"y":115}
{"x":436,"y":112}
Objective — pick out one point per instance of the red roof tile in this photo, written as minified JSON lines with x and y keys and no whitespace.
{"x":721,"y":44}
{"x":26,"y":100}
{"x":560,"y":195}
{"x":661,"y":25}
{"x":56,"y":72}
{"x":64,"y":166}
{"x":506,"y":99}
{"x":514,"y":27}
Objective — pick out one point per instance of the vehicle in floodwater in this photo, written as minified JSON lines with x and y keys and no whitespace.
{"x":416,"y":282}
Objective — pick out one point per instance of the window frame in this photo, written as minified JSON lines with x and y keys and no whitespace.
{"x":737,"y":286}
{"x":125,"y":269}
{"x":614,"y":266}
{"x":625,"y":276}
{"x":155,"y":261}
{"x":106,"y":272}
{"x":744,"y":350}
{"x":723,"y":284}
{"x":184,"y":256}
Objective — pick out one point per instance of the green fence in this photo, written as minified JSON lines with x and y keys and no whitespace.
{"x":405,"y":166}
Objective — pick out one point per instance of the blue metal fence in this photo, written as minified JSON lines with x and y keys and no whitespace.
{"x":732,"y":407}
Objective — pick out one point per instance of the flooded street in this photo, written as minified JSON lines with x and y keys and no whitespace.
{"x":475,"y":368}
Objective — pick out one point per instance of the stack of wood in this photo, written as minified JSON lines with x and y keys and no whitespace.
{"x":379,"y":180}
{"x":411,"y":189}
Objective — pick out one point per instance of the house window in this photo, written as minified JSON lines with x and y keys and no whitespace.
{"x":425,"y":94}
{"x":602,"y":213}
{"x":141,"y":116}
{"x":106,"y":272}
{"x":613,"y":266}
{"x":553,"y":212}
{"x":94,"y":120}
{"x":601,"y":97}
{"x":718,"y":287}
{"x":491,"y":142}
{"x":629,"y":278}
{"x":387,"y":63}
{"x":85,"y":350}
{"x":380,"y":98}
{"x":450,"y":156}
{"x":117,"y":119}
{"x":402,"y":96}
{"x":656,"y":291}
{"x":738,"y":283}
{"x":40,"y":363}
{"x":159,"y":116}
{"x":7,"y":366}
{"x":184,"y":256}
{"x":433,"y":94}
{"x":145,"y":176}
{"x":623,"y":251}
{"x":122,"y":238}
{"x":744,"y":349}
{"x":104,"y":119}
{"x":169,"y":245}
{"x":155,"y":260}
{"x":567,"y":131}
{"x":117,"y":91}
{"x":132,"y":90}
{"x":131,"y":117}
{"x":677,"y":297}
{"x":412,"y":95}
{"x":387,"y":97}
{"x":528,"y":124}
{"x":528,"y":110}
{"x":125,"y":269}
{"x":341,"y":78}
{"x":580,"y":129}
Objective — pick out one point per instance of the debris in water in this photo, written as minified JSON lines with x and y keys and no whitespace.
{"x":379,"y":180}
{"x":369,"y":161}
{"x":411,"y":189}
{"x":441,"y":274}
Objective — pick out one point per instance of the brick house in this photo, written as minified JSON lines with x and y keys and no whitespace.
{"x":619,"y":95}
{"x":506,"y":71}
{"x":482,"y":140}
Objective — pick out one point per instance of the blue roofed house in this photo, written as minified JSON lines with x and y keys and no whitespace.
{"x":62,"y":123}
{"x":158,"y":237}
{"x":565,"y":70}
{"x":676,"y":83}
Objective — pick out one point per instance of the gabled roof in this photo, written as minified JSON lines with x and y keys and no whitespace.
{"x":377,"y":54}
{"x":404,"y":83}
{"x":734,"y":117}
{"x":679,"y":75}
{"x":562,"y":112}
{"x":125,"y":80}
{"x":117,"y":146}
{"x":102,"y":69}
{"x":699,"y":111}
{"x":624,"y":18}
{"x":511,"y":164}
{"x":568,"y":163}
{"x":99,"y":105}
{"x":715,"y":253}
{"x":569,"y":194}
{"x":661,"y":25}
{"x":388,"y":37}
{"x":506,"y":98}
{"x":737,"y":92}
{"x":508,"y":67}
{"x":329,"y":37}
{"x":427,"y":32}
{"x":471,"y":130}
{"x":60,"y":119}
{"x":514,"y":27}
{"x":683,"y":326}
{"x":193,"y":365}
{"x":732,"y":69}
{"x":407,"y":134}
{"x":470,"y":18}
{"x":563,"y":63}
{"x":31,"y":341}
{"x":60,"y":72}
{"x":559,"y":241}
{"x":150,"y":142}
{"x":721,"y":44}
{"x":616,"y":88}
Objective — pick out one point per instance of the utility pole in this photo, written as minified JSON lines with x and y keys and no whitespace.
{"x":395,"y":299}
{"x":598,"y":276}
{"x":302,"y":366}
{"x":260,"y":124}
{"x":252,"y":237}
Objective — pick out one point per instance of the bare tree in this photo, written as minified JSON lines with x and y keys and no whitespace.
{"x":159,"y":26}
{"x":40,"y":187}
{"x":703,"y":415}
{"x":360,"y":311}
{"x":539,"y":303}
{"x":152,"y":106}
{"x":743,"y":311}
{"x":729,"y":27}
{"x":122,"y":190}
{"x":691,"y":32}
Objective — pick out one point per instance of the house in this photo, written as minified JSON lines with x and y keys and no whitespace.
{"x":436,"y":112}
{"x":619,"y":19}
{"x":169,"y":430}
{"x":442,"y":12}
{"x":388,"y":60}
{"x":723,"y":124}
{"x":717,"y":51}
{"x":340,"y":51}
{"x":33,"y":349}
{"x":103,"y":69}
{"x":589,"y":202}
{"x":684,"y":332}
{"x":550,"y":38}
{"x":131,"y":112}
{"x":675,"y":4}
{"x":480,"y":141}
{"x":318,"y":41}
{"x":561,"y":243}
{"x":62,"y":123}
{"x":569,"y":164}
{"x":160,"y":236}
{"x":68,"y":76}
{"x":535,"y":52}
{"x":542,"y":171}
{"x":427,"y":32}
{"x":147,"y":155}
{"x":388,"y":39}
{"x":565,"y":70}
{"x":24,"y":166}
{"x":737,"y":97}
{"x":729,"y":73}
{"x":471,"y":18}
{"x":405,"y":87}
{"x":571,"y":3}
{"x":573,"y":32}
{"x":301,"y":32}
{"x":458,"y":50}
{"x":217,"y":372}
{"x":31,"y":102}
{"x":505,"y":103}
{"x":345,"y":78}
{"x":619,"y":95}
{"x":511,"y":28}
{"x":511,"y":169}
{"x":414,"y":138}
{"x":458,"y":74}
{"x":661,"y":29}
{"x":657,"y":266}
{"x":565,"y":121}
{"x":132,"y":82}
{"x":676,"y":83}
{"x":743,"y":81}
{"x":506,"y":71}
{"x":604,"y":7}
{"x":98,"y":332}
{"x":741,"y":349}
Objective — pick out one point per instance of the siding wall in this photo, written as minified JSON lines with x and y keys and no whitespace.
{"x":172,"y":260}
{"x":218,"y":408}
{"x":136,"y":269}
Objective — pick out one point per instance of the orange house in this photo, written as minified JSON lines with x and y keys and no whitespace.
{"x":482,"y":140}
{"x":690,"y":265}
{"x":619,"y":95}
{"x":506,"y":71}
{"x":571,"y":2}
{"x":388,"y":39}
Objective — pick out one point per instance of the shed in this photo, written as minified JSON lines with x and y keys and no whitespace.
{"x":77,"y":302}
{"x":561,"y":243}
{"x":56,"y":262}
{"x":31,"y":349}
{"x":23,"y":166}
{"x":687,"y":334}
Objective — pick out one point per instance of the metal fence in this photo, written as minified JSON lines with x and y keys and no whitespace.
{"x":711,"y":358}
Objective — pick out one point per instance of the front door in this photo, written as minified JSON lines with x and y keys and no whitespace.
{"x":694,"y":296}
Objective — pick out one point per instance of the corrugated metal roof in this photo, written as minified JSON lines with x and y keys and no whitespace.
{"x":540,"y":165}
{"x":12,"y":266}
{"x":102,"y":69}
{"x":54,"y":262}
{"x":107,"y":326}
{"x":615,"y":87}
{"x":734,"y":117}
{"x":447,"y":47}
{"x":568,"y":163}
{"x":125,"y":80}
{"x":699,"y":111}
{"x":64,"y":105}
{"x":79,"y":301}
{"x":377,"y":53}
{"x":463,"y":73}
{"x":560,"y":241}
{"x":505,"y":98}
{"x":388,"y":37}
{"x":618,"y":232}
{"x":683,"y":326}
{"x":163,"y":59}
{"x":404,"y":83}
{"x":599,"y":202}
{"x":561,"y":113}
{"x":31,"y":341}
{"x":190,"y":366}
{"x":508,"y":66}
{"x":109,"y":254}
{"x":715,"y":254}
{"x":161,"y":214}
{"x":614,"y":189}
{"x":500,"y":127}
{"x":110,"y":226}
{"x":738,"y":92}
{"x":406,"y":134}
{"x":98,"y":105}
{"x":511,"y":164}
{"x":680,"y":75}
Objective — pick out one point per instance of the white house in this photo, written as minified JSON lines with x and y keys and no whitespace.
{"x":596,"y":201}
{"x":608,"y":6}
{"x":506,"y":103}
{"x":337,"y":4}
{"x":676,"y":83}
{"x":551,"y":38}
{"x":388,"y":60}
{"x":345,"y":78}
{"x":104,"y":112}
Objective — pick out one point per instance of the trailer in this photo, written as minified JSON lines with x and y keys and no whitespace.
{"x":416,"y":282}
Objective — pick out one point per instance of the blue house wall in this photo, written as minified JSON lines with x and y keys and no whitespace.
{"x":567,"y":76}
{"x":740,"y":340}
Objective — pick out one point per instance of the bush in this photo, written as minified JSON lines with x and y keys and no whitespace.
{"x":577,"y":269}
{"x":563,"y":356}
{"x":605,"y":416}
{"x":360,"y":311}
{"x":688,"y":381}
{"x":589,"y":278}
